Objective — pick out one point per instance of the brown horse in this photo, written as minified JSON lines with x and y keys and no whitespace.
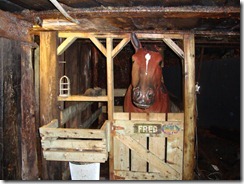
{"x":147,"y":92}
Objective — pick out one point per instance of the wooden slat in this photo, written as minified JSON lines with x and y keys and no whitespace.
{"x":72,"y":111}
{"x":143,"y":153}
{"x":121,"y":156}
{"x":84,"y":98}
{"x":52,"y":124}
{"x":65,"y":44}
{"x":130,"y":175}
{"x":137,"y":163}
{"x":74,"y":144}
{"x":72,"y":133}
{"x":174,"y":47}
{"x":76,"y":156}
{"x":99,"y":45}
{"x":87,"y":123}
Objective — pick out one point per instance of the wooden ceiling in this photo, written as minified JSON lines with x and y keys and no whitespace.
{"x":216,"y":21}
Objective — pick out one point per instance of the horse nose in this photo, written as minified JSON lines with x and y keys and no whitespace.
{"x":143,"y":98}
{"x":137,"y":93}
{"x":150,"y":94}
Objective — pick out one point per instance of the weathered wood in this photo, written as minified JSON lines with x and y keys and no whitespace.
{"x":72,"y":133}
{"x":117,"y":92}
{"x":28,"y":126}
{"x":78,"y":156}
{"x":70,"y":112}
{"x":174,"y":47}
{"x":189,"y":106}
{"x":48,"y":93}
{"x":143,"y":153}
{"x":10,"y":98}
{"x":120,"y":46}
{"x":1,"y":110}
{"x":130,"y":175}
{"x":87,"y":123}
{"x":73,"y":144}
{"x":14,"y":28}
{"x":99,"y":45}
{"x":65,"y":44}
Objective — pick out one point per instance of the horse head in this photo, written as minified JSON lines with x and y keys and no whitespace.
{"x":146,"y":75}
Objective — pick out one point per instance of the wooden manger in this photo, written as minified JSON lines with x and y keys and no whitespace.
{"x":70,"y":144}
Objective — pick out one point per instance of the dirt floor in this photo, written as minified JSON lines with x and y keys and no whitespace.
{"x":217,"y":155}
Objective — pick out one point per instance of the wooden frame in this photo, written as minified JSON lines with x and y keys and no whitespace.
{"x":188,"y":62}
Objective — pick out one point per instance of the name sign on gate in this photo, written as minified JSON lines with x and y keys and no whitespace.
{"x":147,"y":128}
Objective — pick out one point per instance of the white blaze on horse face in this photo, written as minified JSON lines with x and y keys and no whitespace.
{"x":147,"y":57}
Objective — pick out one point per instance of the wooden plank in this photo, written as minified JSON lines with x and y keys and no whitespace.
{"x":65,"y":44}
{"x":70,"y":112}
{"x":84,"y":98}
{"x":174,"y":47}
{"x":87,"y":123}
{"x":157,"y":144}
{"x":28,"y":122}
{"x":74,"y":144}
{"x":14,"y":28}
{"x":121,"y":116}
{"x":120,"y":46}
{"x":128,"y":128}
{"x":49,"y":92}
{"x":78,"y":156}
{"x":10,"y":98}
{"x":149,"y":157}
{"x":99,"y":45}
{"x":130,"y":175}
{"x":137,"y":163}
{"x":52,"y":124}
{"x":121,"y":156}
{"x":189,"y":106}
{"x":72,"y":133}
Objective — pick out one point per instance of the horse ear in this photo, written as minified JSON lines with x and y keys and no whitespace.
{"x":135,"y":41}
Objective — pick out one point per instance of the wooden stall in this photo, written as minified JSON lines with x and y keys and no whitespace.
{"x":139,"y":147}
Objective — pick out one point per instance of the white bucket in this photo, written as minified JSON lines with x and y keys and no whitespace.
{"x":84,"y":171}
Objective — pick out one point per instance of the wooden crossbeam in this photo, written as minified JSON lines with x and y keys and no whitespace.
{"x":174,"y":47}
{"x":99,"y":45}
{"x":120,"y":46}
{"x":65,"y":44}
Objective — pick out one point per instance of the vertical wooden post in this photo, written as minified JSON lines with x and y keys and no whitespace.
{"x":28,"y":125}
{"x":189,"y":107}
{"x":110,"y":93}
{"x":110,"y":78}
{"x":48,"y":93}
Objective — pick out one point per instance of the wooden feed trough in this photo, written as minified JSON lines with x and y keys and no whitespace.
{"x":132,"y":154}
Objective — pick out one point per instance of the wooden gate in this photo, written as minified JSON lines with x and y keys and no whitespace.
{"x":147,"y":146}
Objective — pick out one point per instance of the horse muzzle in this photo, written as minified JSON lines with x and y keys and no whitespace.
{"x":143,"y":98}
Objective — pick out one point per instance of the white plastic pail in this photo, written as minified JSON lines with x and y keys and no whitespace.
{"x":84,"y":171}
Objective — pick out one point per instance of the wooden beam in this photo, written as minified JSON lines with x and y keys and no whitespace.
{"x":65,"y":44}
{"x":110,"y":78}
{"x":174,"y":47}
{"x":84,"y":98}
{"x":48,"y":93}
{"x":98,"y":45}
{"x":14,"y":28}
{"x":120,"y":46}
{"x":28,"y":125}
{"x":70,"y":112}
{"x":189,"y":107}
{"x":87,"y":123}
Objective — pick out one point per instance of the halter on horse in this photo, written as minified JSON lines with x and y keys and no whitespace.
{"x":146,"y":93}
